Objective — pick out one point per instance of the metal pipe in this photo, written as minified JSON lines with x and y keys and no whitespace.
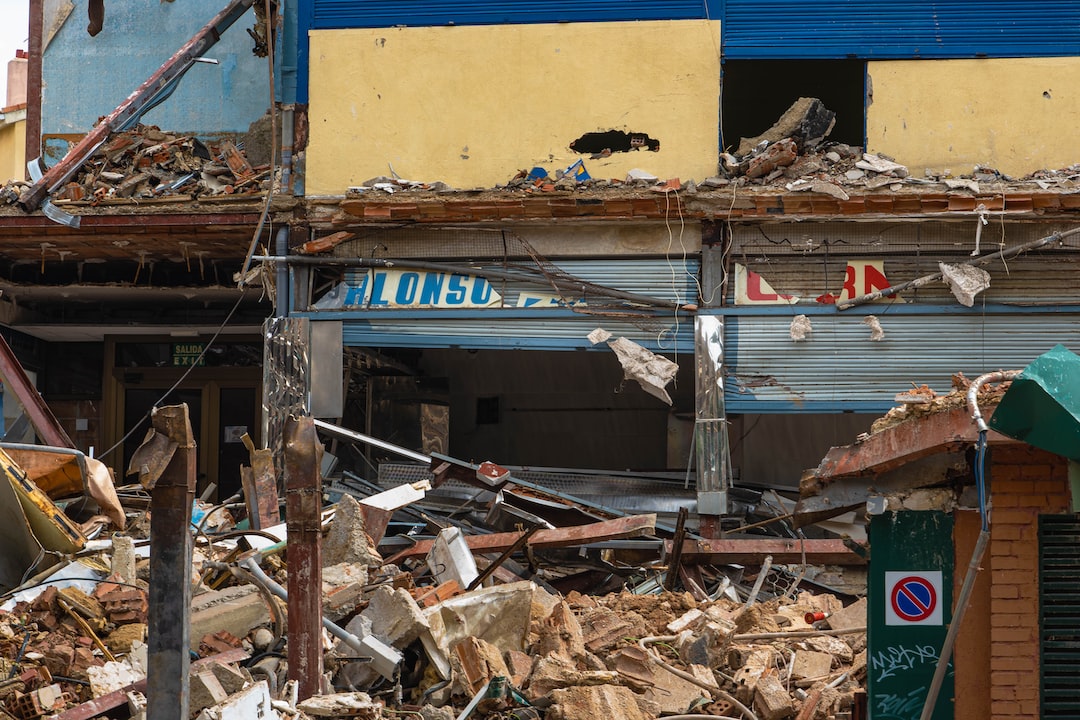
{"x":973,"y":393}
{"x":281,"y":274}
{"x":387,"y":657}
{"x":360,"y":437}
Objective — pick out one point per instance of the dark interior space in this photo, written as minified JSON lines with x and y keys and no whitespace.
{"x":757,"y":92}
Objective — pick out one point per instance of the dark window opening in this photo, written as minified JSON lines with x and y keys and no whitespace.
{"x":757,"y":92}
{"x":614,"y":141}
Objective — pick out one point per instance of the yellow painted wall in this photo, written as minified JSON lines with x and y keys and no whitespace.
{"x":1015,"y":115}
{"x":471,"y":106}
{"x":12,"y":151}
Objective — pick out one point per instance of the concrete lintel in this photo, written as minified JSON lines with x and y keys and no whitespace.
{"x":945,"y":431}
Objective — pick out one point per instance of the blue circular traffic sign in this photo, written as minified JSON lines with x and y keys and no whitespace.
{"x":913,"y":598}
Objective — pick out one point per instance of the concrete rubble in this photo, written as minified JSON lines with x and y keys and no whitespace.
{"x":512,"y":646}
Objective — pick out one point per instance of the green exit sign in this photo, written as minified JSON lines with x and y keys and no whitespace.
{"x":188,"y":354}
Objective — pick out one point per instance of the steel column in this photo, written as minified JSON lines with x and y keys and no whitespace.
{"x":710,"y":424}
{"x":168,"y":637}
{"x":303,"y":519}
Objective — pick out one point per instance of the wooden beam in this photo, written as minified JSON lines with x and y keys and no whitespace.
{"x":747,"y":551}
{"x":625,"y":527}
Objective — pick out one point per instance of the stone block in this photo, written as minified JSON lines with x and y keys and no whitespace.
{"x":347,"y":541}
{"x":810,"y":664}
{"x":205,"y":691}
{"x":771,"y":700}
{"x":853,"y":616}
{"x":395,"y":616}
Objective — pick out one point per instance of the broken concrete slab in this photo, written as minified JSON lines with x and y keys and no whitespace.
{"x":771,"y":699}
{"x":352,"y":704}
{"x":593,"y":702}
{"x":810,"y":664}
{"x":807,"y":122}
{"x":237,"y":610}
{"x":347,"y":540}
{"x":251,"y":702}
{"x":395,"y":617}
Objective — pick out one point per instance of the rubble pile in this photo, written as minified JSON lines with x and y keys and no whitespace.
{"x":507,"y":650}
{"x":145,"y":163}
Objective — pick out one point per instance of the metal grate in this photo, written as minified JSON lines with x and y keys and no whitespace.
{"x":1059,"y":615}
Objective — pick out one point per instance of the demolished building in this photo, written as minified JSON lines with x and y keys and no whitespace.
{"x":605,"y":300}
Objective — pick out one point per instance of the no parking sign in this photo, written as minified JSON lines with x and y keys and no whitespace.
{"x":913,"y":597}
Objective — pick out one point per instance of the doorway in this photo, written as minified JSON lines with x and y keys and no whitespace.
{"x":223,"y":398}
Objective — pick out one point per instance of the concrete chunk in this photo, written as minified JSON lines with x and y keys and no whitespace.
{"x":593,"y":703}
{"x":395,"y":616}
{"x":771,"y":700}
{"x":810,"y":664}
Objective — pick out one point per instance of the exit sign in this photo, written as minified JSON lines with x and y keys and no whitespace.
{"x":188,"y":354}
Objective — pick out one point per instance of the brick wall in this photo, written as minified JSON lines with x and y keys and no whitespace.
{"x":1025,"y":483}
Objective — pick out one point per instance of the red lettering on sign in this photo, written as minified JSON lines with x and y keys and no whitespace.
{"x":754,"y":293}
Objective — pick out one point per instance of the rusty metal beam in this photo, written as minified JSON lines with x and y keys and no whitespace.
{"x":45,"y":423}
{"x":303,"y":520}
{"x":944,"y":431}
{"x":747,"y":551}
{"x":168,"y":636}
{"x":632,"y":526}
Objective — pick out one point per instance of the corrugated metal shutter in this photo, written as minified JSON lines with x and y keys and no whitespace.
{"x":1059,"y":615}
{"x":840,"y":368}
{"x":487,"y":330}
{"x":331,"y":14}
{"x":670,"y":279}
{"x":882,"y":29}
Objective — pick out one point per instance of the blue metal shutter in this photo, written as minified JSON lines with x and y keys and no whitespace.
{"x":333,"y":14}
{"x":840,"y":368}
{"x":672,"y":278}
{"x":884,"y":29}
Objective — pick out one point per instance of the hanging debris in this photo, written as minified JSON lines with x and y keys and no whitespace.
{"x":965,"y":281}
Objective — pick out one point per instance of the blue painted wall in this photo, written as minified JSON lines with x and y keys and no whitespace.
{"x":84,"y":78}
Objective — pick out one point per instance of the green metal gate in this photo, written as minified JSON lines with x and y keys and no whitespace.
{"x":1059,"y":615}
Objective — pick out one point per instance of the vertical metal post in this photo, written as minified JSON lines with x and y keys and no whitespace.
{"x":286,"y":379}
{"x":303,"y":519}
{"x":710,"y":425}
{"x":168,"y":638}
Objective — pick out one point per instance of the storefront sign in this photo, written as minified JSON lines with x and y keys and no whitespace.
{"x":861,"y":277}
{"x":420,"y":289}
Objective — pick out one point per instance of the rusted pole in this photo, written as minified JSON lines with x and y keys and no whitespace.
{"x":168,"y":638}
{"x":303,"y":519}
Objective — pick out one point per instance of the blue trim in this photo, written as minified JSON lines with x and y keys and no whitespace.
{"x":486,"y":315}
{"x":772,"y":407}
{"x":886,"y":29}
{"x":884,"y":310}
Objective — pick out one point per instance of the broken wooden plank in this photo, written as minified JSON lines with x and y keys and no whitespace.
{"x":626,"y":527}
{"x":754,"y":550}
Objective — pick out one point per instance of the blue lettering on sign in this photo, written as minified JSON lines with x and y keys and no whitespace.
{"x":355,"y":293}
{"x":432,"y":288}
{"x":481,"y":291}
{"x":456,"y":296}
{"x":406,"y":290}
{"x":377,"y":286}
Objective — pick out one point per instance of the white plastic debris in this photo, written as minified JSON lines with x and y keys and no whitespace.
{"x":800,"y":328}
{"x":965,"y":281}
{"x":651,"y":371}
{"x":877,"y":333}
